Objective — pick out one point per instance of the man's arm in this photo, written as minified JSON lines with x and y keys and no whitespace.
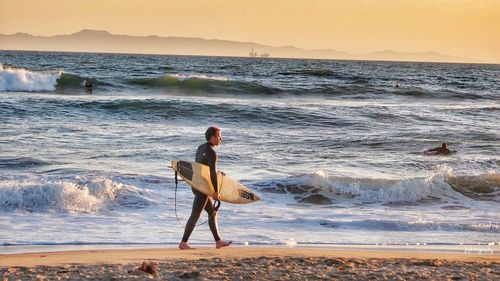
{"x":212,"y":163}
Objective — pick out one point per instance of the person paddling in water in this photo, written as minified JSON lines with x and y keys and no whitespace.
{"x":88,"y":85}
{"x":206,"y":155}
{"x":442,"y":150}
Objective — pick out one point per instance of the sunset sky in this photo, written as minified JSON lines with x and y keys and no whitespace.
{"x":464,"y":28}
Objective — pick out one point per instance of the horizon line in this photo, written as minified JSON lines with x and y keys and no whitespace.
{"x":246,"y":57}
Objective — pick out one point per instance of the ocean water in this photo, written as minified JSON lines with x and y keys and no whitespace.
{"x":335,"y":148}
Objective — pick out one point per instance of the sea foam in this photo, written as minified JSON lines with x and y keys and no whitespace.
{"x":67,"y":195}
{"x":441,"y":185}
{"x":21,"y":80}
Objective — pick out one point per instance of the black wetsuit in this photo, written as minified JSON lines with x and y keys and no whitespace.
{"x":205,"y":155}
{"x":440,"y":150}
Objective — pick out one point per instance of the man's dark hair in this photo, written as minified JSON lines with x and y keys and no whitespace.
{"x":211,"y":131}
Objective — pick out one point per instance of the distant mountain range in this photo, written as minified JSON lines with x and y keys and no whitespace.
{"x":103,"y":41}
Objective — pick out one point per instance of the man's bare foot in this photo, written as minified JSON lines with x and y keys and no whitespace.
{"x":221,"y":243}
{"x":185,"y":246}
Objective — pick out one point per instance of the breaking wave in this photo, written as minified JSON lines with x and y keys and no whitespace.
{"x":23,"y":80}
{"x":68,"y":195}
{"x":15,"y":79}
{"x":442,"y":186}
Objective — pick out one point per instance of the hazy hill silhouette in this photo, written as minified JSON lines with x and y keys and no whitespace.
{"x":103,"y":41}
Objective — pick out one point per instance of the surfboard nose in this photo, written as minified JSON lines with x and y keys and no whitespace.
{"x":256,"y":197}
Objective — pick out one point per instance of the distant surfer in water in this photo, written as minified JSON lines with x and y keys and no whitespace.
{"x":206,"y":155}
{"x":442,"y":150}
{"x":88,"y":85}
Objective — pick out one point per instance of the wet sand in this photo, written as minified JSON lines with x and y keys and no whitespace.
{"x":251,"y":263}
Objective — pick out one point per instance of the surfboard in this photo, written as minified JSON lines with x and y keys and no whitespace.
{"x":198,"y":176}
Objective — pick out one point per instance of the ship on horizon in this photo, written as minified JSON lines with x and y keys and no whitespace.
{"x":254,"y":54}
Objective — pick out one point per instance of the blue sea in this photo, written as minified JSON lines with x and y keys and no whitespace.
{"x":334,"y":148}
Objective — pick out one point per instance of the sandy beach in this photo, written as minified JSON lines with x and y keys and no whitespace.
{"x":251,"y":263}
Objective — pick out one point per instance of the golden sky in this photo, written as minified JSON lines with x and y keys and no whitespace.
{"x":465,"y":28}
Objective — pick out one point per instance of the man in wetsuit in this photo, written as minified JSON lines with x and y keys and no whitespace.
{"x":206,"y":155}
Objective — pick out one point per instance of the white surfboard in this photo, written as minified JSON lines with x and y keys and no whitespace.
{"x":198,"y":176}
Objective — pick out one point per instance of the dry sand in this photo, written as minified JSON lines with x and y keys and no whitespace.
{"x":251,"y":263}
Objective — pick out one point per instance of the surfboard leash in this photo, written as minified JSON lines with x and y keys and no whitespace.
{"x":216,"y":206}
{"x":175,"y":198}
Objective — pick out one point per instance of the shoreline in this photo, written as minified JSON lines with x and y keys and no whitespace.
{"x":249,"y":263}
{"x":115,"y":256}
{"x":490,"y":248}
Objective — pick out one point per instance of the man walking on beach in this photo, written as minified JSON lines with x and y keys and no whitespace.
{"x":206,"y":155}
